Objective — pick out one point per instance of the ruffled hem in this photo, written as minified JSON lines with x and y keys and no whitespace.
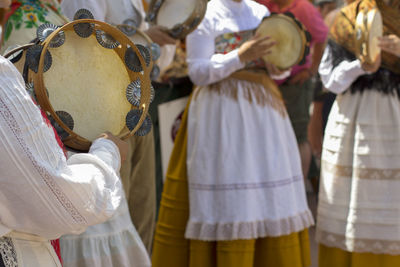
{"x":359,"y":245}
{"x":248,"y":230}
{"x":123,"y":248}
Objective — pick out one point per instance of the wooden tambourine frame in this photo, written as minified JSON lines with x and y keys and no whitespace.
{"x":304,"y":36}
{"x":362,"y":36}
{"x":181,"y":30}
{"x":74,"y":140}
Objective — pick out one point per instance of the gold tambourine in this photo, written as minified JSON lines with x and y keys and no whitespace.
{"x":90,"y":78}
{"x":179,"y":17}
{"x":368,"y":28}
{"x":292,"y":40}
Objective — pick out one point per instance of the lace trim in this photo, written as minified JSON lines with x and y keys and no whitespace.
{"x":361,"y":173}
{"x":56,"y":190}
{"x":358,"y":245}
{"x":244,"y":186}
{"x":248,"y":230}
{"x":7,"y":252}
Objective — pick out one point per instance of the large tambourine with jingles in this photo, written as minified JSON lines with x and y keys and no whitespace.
{"x":291,"y":37}
{"x":90,"y":78}
{"x":179,"y":17}
{"x":368,"y":27}
{"x":139,"y":38}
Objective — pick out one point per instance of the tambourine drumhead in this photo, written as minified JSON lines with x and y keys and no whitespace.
{"x":90,"y":78}
{"x":375,"y":31}
{"x":88,"y":81}
{"x":174,"y":12}
{"x":290,"y":42}
{"x":369,"y":27}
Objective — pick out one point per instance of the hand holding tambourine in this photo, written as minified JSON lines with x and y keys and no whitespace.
{"x":368,"y":30}
{"x":291,"y":40}
{"x":256,"y":47}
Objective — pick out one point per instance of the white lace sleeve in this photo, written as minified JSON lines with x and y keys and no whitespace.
{"x":41,"y":192}
{"x":205,"y":67}
{"x":340,"y":78}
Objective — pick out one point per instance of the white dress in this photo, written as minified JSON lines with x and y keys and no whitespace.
{"x":43,"y":195}
{"x":244,"y":172}
{"x":359,"y":198}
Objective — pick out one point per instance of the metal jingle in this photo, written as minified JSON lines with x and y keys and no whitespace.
{"x":158,"y":4}
{"x":308,"y":36}
{"x":289,"y":14}
{"x":133,"y":93}
{"x":33,"y":56}
{"x":83,"y":14}
{"x":30,"y":88}
{"x":67,"y":119}
{"x":60,"y":131}
{"x":177,"y":30}
{"x":195,"y":22}
{"x":150,"y":17}
{"x":133,"y":118}
{"x":145,"y":128}
{"x":44,"y":31}
{"x":84,"y":30}
{"x":131,"y":28}
{"x":132,"y":60}
{"x":106,"y":40}
{"x":155,"y":51}
{"x":155,"y":72}
{"x":145,"y":54}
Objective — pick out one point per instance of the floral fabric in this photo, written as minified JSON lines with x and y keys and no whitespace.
{"x":28,"y":14}
{"x":228,"y":42}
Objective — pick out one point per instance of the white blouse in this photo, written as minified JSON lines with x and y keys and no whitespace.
{"x":340,"y":78}
{"x":223,"y":16}
{"x":41,"y":192}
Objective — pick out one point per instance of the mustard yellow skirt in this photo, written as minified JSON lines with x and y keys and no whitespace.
{"x":172,"y":249}
{"x":335,"y":257}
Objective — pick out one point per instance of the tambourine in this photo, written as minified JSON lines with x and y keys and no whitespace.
{"x":90,"y":78}
{"x":140,"y":38}
{"x":291,"y":37}
{"x":179,"y":17}
{"x":368,"y":27}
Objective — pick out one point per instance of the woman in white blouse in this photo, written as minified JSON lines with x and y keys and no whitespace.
{"x":247,"y":203}
{"x":358,"y":209}
{"x":42,"y":194}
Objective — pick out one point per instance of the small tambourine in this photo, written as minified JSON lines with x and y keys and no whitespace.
{"x":292,"y":40}
{"x":90,"y":78}
{"x":179,"y":17}
{"x":368,"y":28}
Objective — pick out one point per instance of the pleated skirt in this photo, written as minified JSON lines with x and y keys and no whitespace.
{"x":358,"y":222}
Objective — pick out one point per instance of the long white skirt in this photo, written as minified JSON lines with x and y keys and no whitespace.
{"x":113,"y":243}
{"x":359,"y":201}
{"x":244,"y":171}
